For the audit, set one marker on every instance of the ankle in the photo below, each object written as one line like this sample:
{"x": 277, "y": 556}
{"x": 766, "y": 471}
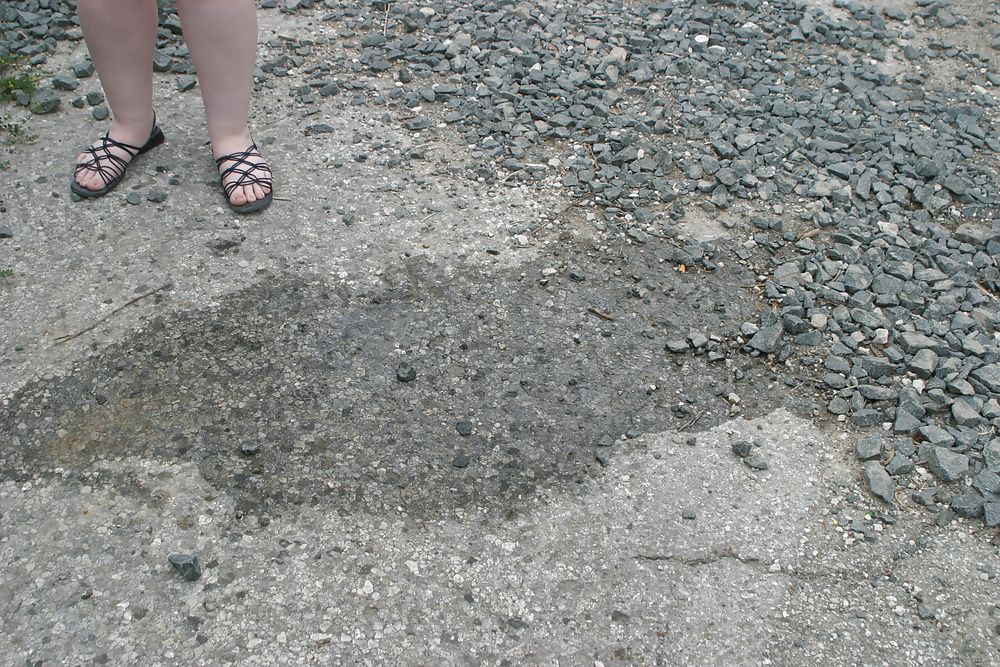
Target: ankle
{"x": 131, "y": 130}
{"x": 233, "y": 143}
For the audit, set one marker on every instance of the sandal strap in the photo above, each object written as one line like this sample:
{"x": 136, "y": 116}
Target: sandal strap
{"x": 245, "y": 169}
{"x": 106, "y": 164}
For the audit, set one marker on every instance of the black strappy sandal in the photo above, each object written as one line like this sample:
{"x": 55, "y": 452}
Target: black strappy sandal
{"x": 113, "y": 170}
{"x": 245, "y": 169}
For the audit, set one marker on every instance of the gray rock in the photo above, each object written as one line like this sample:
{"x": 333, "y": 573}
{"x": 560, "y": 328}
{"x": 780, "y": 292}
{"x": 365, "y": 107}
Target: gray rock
{"x": 838, "y": 406}
{"x": 766, "y": 340}
{"x": 991, "y": 454}
{"x": 100, "y": 113}
{"x": 186, "y": 82}
{"x": 879, "y": 481}
{"x": 947, "y": 465}
{"x": 405, "y": 372}
{"x": 187, "y": 565}
{"x": 83, "y": 70}
{"x": 911, "y": 341}
{"x": 899, "y": 465}
{"x": 937, "y": 436}
{"x": 161, "y": 62}
{"x": 742, "y": 448}
{"x": 811, "y": 338}
{"x": 45, "y": 101}
{"x": 866, "y": 417}
{"x": 987, "y": 481}
{"x": 968, "y": 505}
{"x": 869, "y": 447}
{"x": 965, "y": 411}
{"x": 64, "y": 82}
{"x": 6, "y": 232}
{"x": 876, "y": 393}
{"x": 755, "y": 461}
{"x": 989, "y": 375}
{"x": 991, "y": 513}
{"x": 923, "y": 363}
{"x": 418, "y": 123}
{"x": 133, "y": 198}
{"x": 689, "y": 515}
{"x": 974, "y": 234}
{"x": 464, "y": 428}
{"x": 677, "y": 346}
{"x": 905, "y": 422}
{"x": 250, "y": 449}
{"x": 461, "y": 460}
{"x": 157, "y": 197}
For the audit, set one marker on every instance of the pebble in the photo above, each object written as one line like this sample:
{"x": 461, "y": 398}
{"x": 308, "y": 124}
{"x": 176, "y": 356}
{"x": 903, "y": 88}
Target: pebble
{"x": 869, "y": 447}
{"x": 879, "y": 481}
{"x": 405, "y": 372}
{"x": 250, "y": 449}
{"x": 45, "y": 101}
{"x": 947, "y": 465}
{"x": 187, "y": 565}
{"x": 464, "y": 428}
{"x": 186, "y": 82}
{"x": 742, "y": 448}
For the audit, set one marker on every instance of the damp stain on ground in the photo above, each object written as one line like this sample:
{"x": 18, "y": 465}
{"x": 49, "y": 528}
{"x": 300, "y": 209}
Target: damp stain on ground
{"x": 443, "y": 389}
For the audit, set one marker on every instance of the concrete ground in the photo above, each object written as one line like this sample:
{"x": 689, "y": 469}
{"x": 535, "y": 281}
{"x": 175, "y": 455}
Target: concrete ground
{"x": 359, "y": 534}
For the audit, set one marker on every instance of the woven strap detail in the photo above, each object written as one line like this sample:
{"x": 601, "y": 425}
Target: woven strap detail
{"x": 245, "y": 168}
{"x": 113, "y": 165}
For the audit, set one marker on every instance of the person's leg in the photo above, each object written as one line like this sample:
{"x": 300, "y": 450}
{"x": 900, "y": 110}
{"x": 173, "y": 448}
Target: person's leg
{"x": 121, "y": 38}
{"x": 222, "y": 38}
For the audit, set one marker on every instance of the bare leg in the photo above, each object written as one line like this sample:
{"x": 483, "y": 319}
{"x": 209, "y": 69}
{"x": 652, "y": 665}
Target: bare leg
{"x": 222, "y": 38}
{"x": 121, "y": 38}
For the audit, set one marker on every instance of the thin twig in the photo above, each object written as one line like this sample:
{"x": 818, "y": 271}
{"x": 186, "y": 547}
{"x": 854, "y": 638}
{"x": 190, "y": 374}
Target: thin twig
{"x": 601, "y": 314}
{"x": 691, "y": 423}
{"x": 385, "y": 20}
{"x": 63, "y": 339}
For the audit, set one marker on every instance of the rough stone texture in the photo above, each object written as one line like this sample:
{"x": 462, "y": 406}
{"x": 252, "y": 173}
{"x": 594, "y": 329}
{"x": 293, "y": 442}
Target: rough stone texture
{"x": 947, "y": 465}
{"x": 879, "y": 481}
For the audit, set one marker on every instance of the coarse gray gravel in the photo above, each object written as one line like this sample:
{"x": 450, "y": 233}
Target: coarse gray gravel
{"x": 578, "y": 333}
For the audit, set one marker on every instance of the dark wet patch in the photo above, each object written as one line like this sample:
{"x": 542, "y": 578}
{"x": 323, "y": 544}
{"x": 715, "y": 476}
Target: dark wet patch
{"x": 530, "y": 369}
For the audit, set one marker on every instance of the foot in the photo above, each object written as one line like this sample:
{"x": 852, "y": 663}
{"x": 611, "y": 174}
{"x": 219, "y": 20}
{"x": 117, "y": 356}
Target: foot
{"x": 111, "y": 167}
{"x": 246, "y": 178}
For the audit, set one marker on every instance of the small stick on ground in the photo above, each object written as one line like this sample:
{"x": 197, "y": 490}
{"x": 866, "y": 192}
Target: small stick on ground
{"x": 64, "y": 339}
{"x": 691, "y": 423}
{"x": 601, "y": 314}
